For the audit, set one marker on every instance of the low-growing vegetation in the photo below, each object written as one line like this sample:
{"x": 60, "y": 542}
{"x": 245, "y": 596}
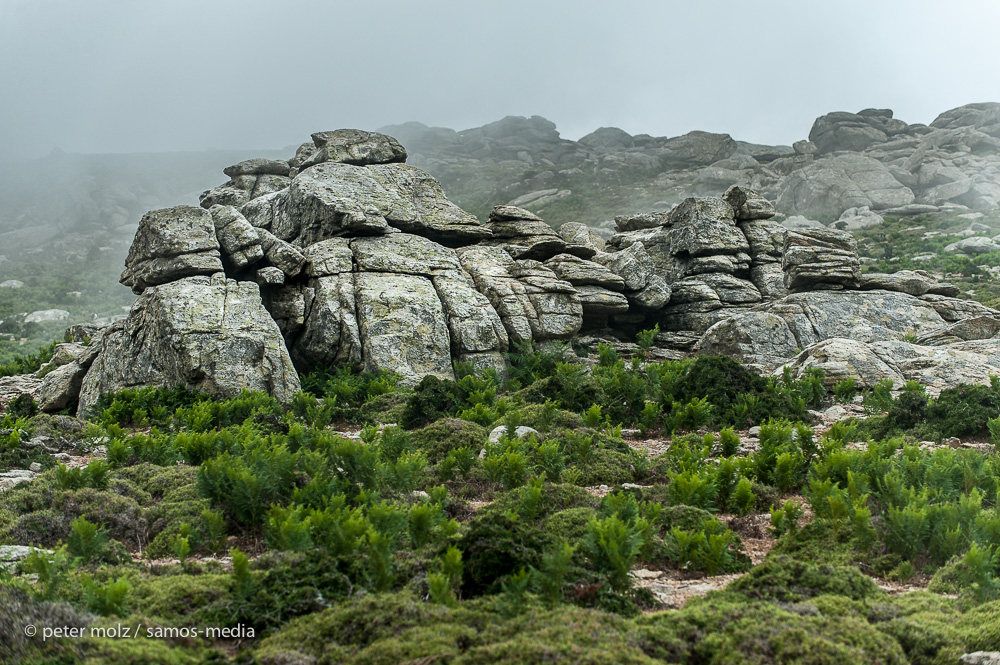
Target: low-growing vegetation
{"x": 370, "y": 523}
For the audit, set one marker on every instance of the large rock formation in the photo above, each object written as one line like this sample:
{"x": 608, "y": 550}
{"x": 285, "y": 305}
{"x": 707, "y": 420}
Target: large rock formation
{"x": 345, "y": 255}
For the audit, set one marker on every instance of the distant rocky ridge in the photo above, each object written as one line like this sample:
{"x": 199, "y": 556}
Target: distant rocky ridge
{"x": 867, "y": 159}
{"x": 346, "y": 255}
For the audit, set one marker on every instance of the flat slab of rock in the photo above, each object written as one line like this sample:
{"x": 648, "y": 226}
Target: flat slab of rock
{"x": 258, "y": 166}
{"x": 600, "y": 301}
{"x": 357, "y": 147}
{"x": 581, "y": 272}
{"x": 403, "y": 253}
{"x": 913, "y": 282}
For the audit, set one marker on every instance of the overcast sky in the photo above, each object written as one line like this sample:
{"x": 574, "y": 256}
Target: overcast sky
{"x": 141, "y": 75}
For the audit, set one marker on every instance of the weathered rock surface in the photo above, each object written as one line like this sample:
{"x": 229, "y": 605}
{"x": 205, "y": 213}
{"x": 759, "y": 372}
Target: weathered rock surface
{"x": 913, "y": 282}
{"x": 778, "y": 330}
{"x": 973, "y": 246}
{"x": 403, "y": 326}
{"x": 345, "y": 255}
{"x": 209, "y": 334}
{"x": 857, "y": 219}
{"x": 581, "y": 272}
{"x": 171, "y": 244}
{"x": 748, "y": 204}
{"x": 935, "y": 367}
{"x": 826, "y": 187}
{"x": 814, "y": 257}
{"x": 354, "y": 146}
{"x": 524, "y": 235}
{"x": 239, "y": 240}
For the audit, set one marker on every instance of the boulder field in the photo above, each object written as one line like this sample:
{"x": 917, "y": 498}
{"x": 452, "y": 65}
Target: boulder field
{"x": 346, "y": 255}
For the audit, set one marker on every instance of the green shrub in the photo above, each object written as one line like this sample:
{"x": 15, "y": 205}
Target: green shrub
{"x": 443, "y": 436}
{"x": 87, "y": 541}
{"x": 106, "y": 599}
{"x": 612, "y": 546}
{"x": 432, "y": 399}
{"x": 22, "y": 406}
{"x": 786, "y": 579}
{"x": 845, "y": 389}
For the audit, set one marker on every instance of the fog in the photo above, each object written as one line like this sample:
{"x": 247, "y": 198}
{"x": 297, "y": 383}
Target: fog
{"x": 130, "y": 76}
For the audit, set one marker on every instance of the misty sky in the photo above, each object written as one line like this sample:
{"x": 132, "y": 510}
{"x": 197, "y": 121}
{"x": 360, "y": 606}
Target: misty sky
{"x": 138, "y": 75}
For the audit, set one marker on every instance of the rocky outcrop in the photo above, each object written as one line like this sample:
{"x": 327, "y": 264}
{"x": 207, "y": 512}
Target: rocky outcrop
{"x": 209, "y": 334}
{"x": 359, "y": 259}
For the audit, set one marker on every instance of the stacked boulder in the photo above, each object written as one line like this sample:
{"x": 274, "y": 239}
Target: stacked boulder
{"x": 713, "y": 255}
{"x": 346, "y": 255}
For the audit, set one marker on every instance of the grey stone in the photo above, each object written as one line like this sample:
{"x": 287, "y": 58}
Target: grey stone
{"x": 475, "y": 326}
{"x": 600, "y": 301}
{"x": 654, "y": 296}
{"x": 766, "y": 240}
{"x": 425, "y": 209}
{"x": 257, "y": 166}
{"x": 403, "y": 326}
{"x": 239, "y": 240}
{"x": 748, "y": 204}
{"x": 330, "y": 335}
{"x": 524, "y": 235}
{"x": 814, "y": 316}
{"x": 974, "y": 245}
{"x": 403, "y": 253}
{"x": 520, "y": 432}
{"x": 580, "y": 272}
{"x": 575, "y": 233}
{"x": 329, "y": 257}
{"x": 207, "y": 334}
{"x": 269, "y": 276}
{"x": 646, "y": 220}
{"x": 45, "y": 315}
{"x": 531, "y": 301}
{"x": 796, "y": 222}
{"x": 769, "y": 279}
{"x": 913, "y": 282}
{"x": 353, "y": 146}
{"x": 857, "y": 219}
{"x": 705, "y": 226}
{"x": 330, "y": 200}
{"x": 170, "y": 244}
{"x": 820, "y": 256}
{"x": 61, "y": 387}
{"x": 827, "y": 187}
{"x": 846, "y": 131}
{"x": 761, "y": 339}
{"x": 280, "y": 254}
{"x": 633, "y": 264}
{"x": 226, "y": 194}
{"x": 975, "y": 328}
